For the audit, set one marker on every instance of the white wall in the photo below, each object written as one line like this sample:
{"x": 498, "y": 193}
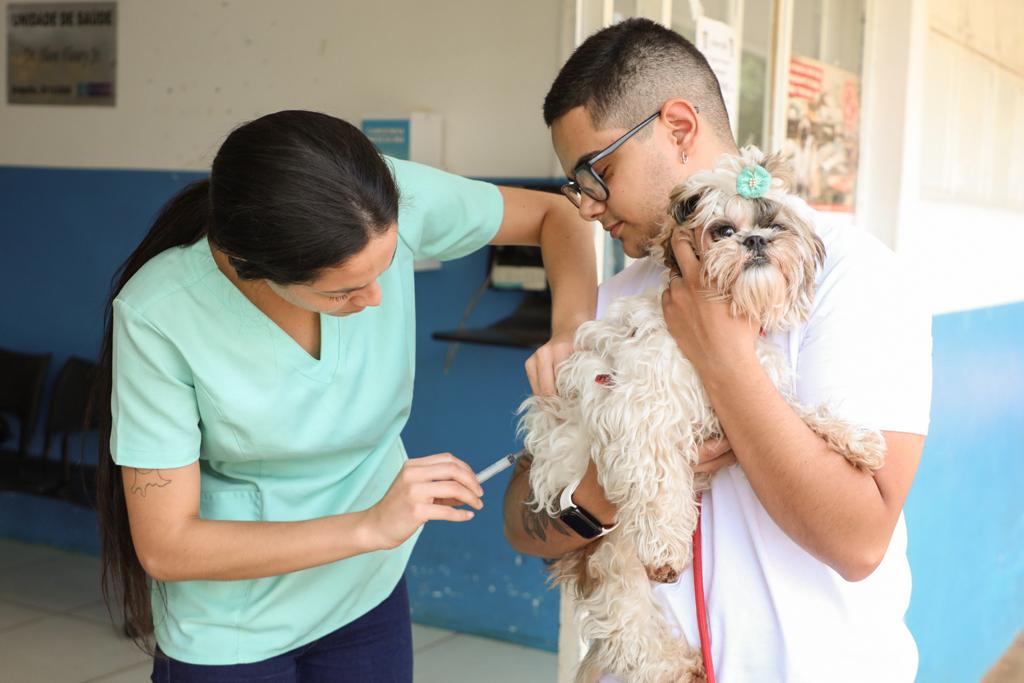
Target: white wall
{"x": 190, "y": 70}
{"x": 973, "y": 121}
{"x": 970, "y": 216}
{"x": 943, "y": 157}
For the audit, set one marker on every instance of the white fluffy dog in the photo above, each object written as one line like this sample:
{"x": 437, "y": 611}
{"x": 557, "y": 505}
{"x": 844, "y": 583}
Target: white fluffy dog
{"x": 629, "y": 401}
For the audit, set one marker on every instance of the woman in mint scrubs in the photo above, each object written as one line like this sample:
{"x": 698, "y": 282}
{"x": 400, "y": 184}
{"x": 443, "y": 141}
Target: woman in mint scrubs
{"x": 257, "y": 505}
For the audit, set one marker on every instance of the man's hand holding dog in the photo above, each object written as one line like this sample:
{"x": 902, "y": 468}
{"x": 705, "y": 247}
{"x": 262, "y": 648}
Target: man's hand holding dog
{"x": 705, "y": 330}
{"x": 714, "y": 455}
{"x": 542, "y": 366}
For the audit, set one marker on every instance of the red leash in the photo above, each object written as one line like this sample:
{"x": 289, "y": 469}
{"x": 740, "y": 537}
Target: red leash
{"x": 698, "y": 592}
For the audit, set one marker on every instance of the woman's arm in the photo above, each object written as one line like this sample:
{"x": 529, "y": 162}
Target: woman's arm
{"x": 567, "y": 246}
{"x": 174, "y": 544}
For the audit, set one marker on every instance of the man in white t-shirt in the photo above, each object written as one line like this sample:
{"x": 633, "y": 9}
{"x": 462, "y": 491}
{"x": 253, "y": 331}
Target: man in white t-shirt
{"x": 805, "y": 566}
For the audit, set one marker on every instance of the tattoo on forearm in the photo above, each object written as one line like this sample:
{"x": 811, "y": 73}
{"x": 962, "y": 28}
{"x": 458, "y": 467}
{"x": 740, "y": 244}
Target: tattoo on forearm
{"x": 143, "y": 479}
{"x": 536, "y": 524}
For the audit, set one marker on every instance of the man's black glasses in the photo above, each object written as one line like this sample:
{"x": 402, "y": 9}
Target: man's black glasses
{"x": 586, "y": 179}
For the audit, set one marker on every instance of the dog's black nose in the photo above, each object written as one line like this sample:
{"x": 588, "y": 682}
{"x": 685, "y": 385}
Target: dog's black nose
{"x": 755, "y": 243}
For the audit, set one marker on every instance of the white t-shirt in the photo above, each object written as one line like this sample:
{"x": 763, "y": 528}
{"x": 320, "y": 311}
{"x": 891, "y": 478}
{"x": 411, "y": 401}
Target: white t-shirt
{"x": 776, "y": 613}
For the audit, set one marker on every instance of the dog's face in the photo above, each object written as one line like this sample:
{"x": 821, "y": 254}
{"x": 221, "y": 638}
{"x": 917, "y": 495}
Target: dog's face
{"x": 757, "y": 253}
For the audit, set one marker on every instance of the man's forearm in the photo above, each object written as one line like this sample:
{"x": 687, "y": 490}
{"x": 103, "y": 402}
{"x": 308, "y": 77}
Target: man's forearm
{"x": 823, "y": 503}
{"x": 530, "y": 532}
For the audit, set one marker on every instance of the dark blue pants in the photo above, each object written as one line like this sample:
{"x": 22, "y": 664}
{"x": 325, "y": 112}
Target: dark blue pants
{"x": 375, "y": 648}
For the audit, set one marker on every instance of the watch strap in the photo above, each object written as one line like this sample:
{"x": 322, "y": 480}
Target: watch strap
{"x": 577, "y": 518}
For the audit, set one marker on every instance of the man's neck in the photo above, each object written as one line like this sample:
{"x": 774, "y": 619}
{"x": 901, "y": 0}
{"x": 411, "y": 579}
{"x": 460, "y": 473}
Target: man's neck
{"x": 706, "y": 153}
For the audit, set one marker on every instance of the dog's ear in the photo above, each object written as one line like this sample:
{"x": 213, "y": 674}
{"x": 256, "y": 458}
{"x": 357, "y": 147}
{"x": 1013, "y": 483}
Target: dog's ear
{"x": 778, "y": 166}
{"x": 683, "y": 202}
{"x": 815, "y": 247}
{"x": 664, "y": 245}
{"x": 661, "y": 246}
{"x": 669, "y": 258}
{"x": 819, "y": 250}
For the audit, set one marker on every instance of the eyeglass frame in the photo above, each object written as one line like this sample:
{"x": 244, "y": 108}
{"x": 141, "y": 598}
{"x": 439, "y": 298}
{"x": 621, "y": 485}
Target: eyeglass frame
{"x": 574, "y": 192}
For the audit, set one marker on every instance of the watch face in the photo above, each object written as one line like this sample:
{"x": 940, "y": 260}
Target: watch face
{"x": 579, "y": 523}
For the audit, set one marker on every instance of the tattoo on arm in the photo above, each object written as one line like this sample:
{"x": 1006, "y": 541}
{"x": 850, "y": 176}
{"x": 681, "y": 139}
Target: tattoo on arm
{"x": 143, "y": 479}
{"x": 536, "y": 524}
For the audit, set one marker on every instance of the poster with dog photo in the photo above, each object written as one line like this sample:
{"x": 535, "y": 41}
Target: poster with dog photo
{"x": 822, "y": 129}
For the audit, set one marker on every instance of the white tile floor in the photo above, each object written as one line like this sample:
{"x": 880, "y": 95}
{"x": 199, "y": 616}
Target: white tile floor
{"x": 55, "y": 629}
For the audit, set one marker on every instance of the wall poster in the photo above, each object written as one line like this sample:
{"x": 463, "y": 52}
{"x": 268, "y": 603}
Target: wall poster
{"x": 822, "y": 132}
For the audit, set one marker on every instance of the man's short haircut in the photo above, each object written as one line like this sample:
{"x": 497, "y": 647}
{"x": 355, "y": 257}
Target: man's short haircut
{"x": 625, "y": 72}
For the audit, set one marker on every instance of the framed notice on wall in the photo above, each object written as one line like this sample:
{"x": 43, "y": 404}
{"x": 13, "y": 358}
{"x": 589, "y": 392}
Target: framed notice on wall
{"x": 62, "y": 53}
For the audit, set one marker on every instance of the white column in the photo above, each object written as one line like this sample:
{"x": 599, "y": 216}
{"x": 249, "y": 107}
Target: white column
{"x": 778, "y": 92}
{"x": 895, "y": 35}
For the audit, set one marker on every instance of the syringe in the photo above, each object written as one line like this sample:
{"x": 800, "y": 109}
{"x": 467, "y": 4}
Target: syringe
{"x": 499, "y": 466}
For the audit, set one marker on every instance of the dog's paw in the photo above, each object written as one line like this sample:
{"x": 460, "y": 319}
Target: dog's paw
{"x": 862, "y": 447}
{"x": 866, "y": 450}
{"x": 663, "y": 574}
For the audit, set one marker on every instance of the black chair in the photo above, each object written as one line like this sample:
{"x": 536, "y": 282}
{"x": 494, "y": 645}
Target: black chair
{"x": 22, "y": 378}
{"x": 69, "y": 414}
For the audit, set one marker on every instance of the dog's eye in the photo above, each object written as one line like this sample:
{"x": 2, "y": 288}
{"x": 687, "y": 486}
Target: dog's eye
{"x": 723, "y": 231}
{"x": 775, "y": 226}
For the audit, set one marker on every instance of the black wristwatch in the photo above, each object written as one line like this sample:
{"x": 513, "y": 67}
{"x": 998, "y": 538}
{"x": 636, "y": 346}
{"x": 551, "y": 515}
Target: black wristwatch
{"x": 578, "y": 519}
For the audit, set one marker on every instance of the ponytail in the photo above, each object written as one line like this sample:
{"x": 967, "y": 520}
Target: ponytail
{"x": 181, "y": 222}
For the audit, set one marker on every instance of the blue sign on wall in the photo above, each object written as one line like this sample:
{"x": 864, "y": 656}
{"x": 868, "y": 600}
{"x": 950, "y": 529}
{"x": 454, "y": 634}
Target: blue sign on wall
{"x": 390, "y": 136}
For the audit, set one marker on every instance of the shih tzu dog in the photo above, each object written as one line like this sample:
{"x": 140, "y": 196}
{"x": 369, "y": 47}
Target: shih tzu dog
{"x": 628, "y": 400}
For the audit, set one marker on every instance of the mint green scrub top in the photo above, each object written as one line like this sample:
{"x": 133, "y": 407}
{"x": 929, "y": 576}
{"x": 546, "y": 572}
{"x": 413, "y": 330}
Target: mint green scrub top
{"x": 201, "y": 373}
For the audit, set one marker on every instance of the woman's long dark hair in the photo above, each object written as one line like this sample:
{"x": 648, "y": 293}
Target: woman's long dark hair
{"x": 289, "y": 194}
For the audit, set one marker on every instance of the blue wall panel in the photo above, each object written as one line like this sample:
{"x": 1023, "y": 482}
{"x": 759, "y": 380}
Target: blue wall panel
{"x": 63, "y": 232}
{"x": 465, "y": 576}
{"x": 965, "y": 513}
